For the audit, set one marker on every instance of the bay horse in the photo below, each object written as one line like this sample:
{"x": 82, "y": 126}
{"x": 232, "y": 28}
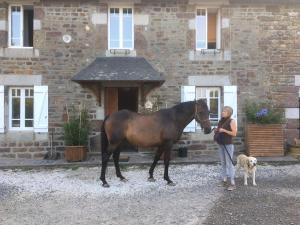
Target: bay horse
{"x": 160, "y": 129}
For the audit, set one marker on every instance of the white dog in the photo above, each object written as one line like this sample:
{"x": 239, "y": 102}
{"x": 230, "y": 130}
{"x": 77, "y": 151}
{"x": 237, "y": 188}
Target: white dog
{"x": 249, "y": 166}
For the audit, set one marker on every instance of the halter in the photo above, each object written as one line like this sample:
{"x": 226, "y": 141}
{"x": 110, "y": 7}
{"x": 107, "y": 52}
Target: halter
{"x": 196, "y": 114}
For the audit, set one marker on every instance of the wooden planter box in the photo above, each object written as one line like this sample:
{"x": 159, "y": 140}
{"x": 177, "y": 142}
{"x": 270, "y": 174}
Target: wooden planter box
{"x": 264, "y": 139}
{"x": 75, "y": 153}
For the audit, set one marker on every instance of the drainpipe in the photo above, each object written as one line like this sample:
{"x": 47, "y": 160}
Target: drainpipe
{"x": 299, "y": 115}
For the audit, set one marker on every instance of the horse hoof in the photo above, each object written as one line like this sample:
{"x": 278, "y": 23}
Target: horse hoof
{"x": 151, "y": 179}
{"x": 171, "y": 184}
{"x": 124, "y": 180}
{"x": 105, "y": 185}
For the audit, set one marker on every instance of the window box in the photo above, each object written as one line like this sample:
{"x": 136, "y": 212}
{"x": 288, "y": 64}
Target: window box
{"x": 264, "y": 139}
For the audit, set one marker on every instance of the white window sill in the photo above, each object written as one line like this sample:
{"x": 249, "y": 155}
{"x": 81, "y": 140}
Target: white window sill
{"x": 120, "y": 52}
{"x": 20, "y": 47}
{"x": 210, "y": 54}
{"x": 209, "y": 51}
{"x": 19, "y": 52}
{"x": 20, "y": 130}
{"x": 23, "y": 136}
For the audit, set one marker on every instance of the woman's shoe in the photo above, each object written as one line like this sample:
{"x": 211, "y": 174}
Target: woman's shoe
{"x": 231, "y": 187}
{"x": 223, "y": 184}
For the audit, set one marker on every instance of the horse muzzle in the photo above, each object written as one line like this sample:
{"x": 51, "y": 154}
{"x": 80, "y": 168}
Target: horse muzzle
{"x": 207, "y": 130}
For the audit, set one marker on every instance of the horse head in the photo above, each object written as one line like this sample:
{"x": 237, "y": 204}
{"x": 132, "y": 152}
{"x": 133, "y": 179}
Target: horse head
{"x": 202, "y": 115}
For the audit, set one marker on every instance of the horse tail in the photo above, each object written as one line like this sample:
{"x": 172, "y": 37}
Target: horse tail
{"x": 104, "y": 140}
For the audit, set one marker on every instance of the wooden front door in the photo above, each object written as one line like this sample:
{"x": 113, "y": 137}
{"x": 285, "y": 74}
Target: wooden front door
{"x": 111, "y": 100}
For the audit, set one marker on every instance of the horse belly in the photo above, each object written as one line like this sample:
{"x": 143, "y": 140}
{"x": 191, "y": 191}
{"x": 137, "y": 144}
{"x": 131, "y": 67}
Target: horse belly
{"x": 144, "y": 139}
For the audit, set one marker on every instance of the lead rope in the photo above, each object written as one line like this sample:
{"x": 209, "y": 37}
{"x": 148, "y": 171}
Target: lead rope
{"x": 233, "y": 163}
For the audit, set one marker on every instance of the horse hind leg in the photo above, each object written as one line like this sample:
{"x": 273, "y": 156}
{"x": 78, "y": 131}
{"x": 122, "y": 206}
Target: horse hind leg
{"x": 105, "y": 158}
{"x": 116, "y": 157}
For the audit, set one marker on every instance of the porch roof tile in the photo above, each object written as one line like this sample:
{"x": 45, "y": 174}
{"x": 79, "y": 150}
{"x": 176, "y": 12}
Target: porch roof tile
{"x": 119, "y": 69}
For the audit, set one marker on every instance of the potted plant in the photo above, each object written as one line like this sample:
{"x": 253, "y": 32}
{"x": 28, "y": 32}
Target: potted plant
{"x": 76, "y": 130}
{"x": 264, "y": 129}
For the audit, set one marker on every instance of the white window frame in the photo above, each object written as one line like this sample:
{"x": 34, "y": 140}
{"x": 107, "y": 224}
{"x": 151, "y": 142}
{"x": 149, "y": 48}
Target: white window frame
{"x": 22, "y": 110}
{"x": 218, "y": 28}
{"x": 21, "y": 27}
{"x": 121, "y": 27}
{"x": 207, "y": 97}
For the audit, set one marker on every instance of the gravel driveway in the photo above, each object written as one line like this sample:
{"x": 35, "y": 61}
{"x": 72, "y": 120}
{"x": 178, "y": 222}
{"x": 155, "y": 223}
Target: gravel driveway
{"x": 75, "y": 197}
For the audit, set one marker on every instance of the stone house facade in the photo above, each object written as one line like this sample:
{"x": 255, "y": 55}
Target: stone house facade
{"x": 224, "y": 51}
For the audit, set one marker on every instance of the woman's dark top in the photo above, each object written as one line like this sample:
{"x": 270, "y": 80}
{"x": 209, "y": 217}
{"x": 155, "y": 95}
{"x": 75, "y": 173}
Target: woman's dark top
{"x": 225, "y": 124}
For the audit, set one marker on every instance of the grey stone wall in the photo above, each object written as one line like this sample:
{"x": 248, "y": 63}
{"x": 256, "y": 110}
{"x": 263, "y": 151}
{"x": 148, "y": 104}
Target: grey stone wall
{"x": 265, "y": 45}
{"x": 260, "y": 54}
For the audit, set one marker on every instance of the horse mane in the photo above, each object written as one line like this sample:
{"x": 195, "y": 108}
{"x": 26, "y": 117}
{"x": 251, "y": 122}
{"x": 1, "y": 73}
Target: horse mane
{"x": 183, "y": 107}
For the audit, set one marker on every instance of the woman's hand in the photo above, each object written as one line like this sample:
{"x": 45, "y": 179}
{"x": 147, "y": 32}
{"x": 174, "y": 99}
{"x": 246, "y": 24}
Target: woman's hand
{"x": 221, "y": 130}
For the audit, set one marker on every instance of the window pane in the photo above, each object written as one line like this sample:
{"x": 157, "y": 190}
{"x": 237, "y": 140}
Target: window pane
{"x": 29, "y": 108}
{"x": 114, "y": 30}
{"x": 200, "y": 93}
{"x": 28, "y": 92}
{"x": 16, "y": 123}
{"x": 212, "y": 30}
{"x": 214, "y": 108}
{"x": 127, "y": 28}
{"x": 201, "y": 28}
{"x": 28, "y": 123}
{"x": 28, "y": 26}
{"x": 216, "y": 94}
{"x": 15, "y": 25}
{"x": 15, "y": 108}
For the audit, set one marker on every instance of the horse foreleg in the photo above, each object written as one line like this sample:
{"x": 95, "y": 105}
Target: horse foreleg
{"x": 156, "y": 159}
{"x": 116, "y": 157}
{"x": 166, "y": 162}
{"x": 105, "y": 158}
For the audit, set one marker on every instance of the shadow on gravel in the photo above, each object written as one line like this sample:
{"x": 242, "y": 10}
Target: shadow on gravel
{"x": 271, "y": 202}
{"x": 6, "y": 191}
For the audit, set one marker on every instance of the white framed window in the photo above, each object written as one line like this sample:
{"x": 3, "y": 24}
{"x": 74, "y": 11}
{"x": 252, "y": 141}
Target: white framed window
{"x": 120, "y": 28}
{"x": 21, "y": 108}
{"x": 212, "y": 96}
{"x": 208, "y": 28}
{"x": 20, "y": 21}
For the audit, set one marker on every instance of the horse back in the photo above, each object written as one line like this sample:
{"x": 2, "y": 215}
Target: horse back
{"x": 141, "y": 130}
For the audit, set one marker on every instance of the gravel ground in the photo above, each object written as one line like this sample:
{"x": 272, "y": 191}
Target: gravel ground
{"x": 75, "y": 197}
{"x": 275, "y": 201}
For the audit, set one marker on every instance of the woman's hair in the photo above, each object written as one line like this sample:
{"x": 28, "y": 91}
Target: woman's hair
{"x": 229, "y": 110}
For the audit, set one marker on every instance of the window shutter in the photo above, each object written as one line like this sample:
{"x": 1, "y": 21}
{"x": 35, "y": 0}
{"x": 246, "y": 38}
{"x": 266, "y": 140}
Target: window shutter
{"x": 40, "y": 108}
{"x": 230, "y": 99}
{"x": 1, "y": 109}
{"x": 188, "y": 93}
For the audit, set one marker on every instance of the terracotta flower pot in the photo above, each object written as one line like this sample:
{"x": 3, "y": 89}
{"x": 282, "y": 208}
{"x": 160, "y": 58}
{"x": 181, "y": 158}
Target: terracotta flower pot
{"x": 264, "y": 139}
{"x": 75, "y": 153}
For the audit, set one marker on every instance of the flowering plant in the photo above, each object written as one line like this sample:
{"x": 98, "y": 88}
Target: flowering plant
{"x": 263, "y": 113}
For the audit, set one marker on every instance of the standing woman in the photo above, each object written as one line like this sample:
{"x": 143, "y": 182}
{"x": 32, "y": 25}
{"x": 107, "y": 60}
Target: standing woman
{"x": 227, "y": 129}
